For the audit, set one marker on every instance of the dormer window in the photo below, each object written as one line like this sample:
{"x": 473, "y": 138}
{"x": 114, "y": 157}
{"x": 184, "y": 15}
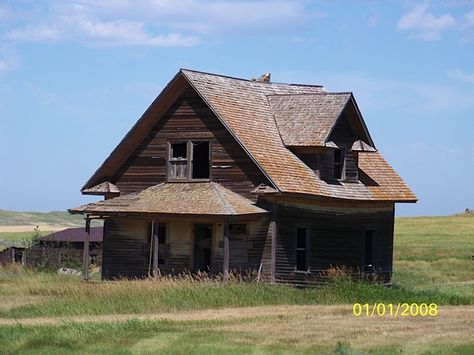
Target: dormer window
{"x": 189, "y": 160}
{"x": 339, "y": 164}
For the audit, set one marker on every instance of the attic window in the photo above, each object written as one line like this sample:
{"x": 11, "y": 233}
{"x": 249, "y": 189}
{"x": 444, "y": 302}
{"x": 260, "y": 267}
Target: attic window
{"x": 200, "y": 160}
{"x": 339, "y": 164}
{"x": 189, "y": 160}
{"x": 178, "y": 163}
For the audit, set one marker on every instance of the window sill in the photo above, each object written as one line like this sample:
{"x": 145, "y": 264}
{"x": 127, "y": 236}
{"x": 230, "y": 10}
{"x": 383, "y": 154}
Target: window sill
{"x": 187, "y": 180}
{"x": 302, "y": 272}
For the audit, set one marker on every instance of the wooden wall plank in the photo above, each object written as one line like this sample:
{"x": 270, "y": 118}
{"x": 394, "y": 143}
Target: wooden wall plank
{"x": 189, "y": 118}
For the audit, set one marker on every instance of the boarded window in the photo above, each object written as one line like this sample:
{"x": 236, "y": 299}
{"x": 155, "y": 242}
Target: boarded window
{"x": 339, "y": 164}
{"x": 302, "y": 257}
{"x": 369, "y": 251}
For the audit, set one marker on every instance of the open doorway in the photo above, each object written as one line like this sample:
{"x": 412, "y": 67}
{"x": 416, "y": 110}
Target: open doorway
{"x": 202, "y": 247}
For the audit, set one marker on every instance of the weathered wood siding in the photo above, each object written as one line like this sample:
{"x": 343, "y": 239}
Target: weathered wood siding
{"x": 125, "y": 252}
{"x": 336, "y": 238}
{"x": 127, "y": 247}
{"x": 179, "y": 246}
{"x": 189, "y": 118}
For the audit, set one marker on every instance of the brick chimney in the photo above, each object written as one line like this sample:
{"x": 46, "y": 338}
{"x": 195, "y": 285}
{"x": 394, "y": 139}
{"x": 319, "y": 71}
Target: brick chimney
{"x": 265, "y": 78}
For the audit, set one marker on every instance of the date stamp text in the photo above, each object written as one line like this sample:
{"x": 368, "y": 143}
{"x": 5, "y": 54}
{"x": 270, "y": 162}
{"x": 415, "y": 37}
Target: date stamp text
{"x": 395, "y": 310}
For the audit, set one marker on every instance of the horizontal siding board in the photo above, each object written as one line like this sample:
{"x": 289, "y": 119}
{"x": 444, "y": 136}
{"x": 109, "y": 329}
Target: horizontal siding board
{"x": 189, "y": 118}
{"x": 335, "y": 239}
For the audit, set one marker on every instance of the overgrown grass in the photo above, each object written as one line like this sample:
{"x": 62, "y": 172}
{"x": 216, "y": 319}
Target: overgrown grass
{"x": 60, "y": 295}
{"x": 432, "y": 265}
{"x": 441, "y": 277}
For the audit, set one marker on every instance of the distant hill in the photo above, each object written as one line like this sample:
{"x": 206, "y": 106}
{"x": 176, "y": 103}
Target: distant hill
{"x": 56, "y": 218}
{"x": 16, "y": 228}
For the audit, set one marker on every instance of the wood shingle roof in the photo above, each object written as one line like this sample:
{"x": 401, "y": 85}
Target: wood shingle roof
{"x": 259, "y": 115}
{"x": 245, "y": 108}
{"x": 307, "y": 119}
{"x": 202, "y": 198}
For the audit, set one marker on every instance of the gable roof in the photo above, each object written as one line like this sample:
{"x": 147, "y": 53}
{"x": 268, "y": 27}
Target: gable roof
{"x": 74, "y": 235}
{"x": 307, "y": 119}
{"x": 180, "y": 198}
{"x": 103, "y": 188}
{"x": 247, "y": 109}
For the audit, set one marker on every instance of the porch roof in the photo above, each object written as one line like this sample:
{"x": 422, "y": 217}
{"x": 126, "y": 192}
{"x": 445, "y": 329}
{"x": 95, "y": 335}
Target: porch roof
{"x": 179, "y": 198}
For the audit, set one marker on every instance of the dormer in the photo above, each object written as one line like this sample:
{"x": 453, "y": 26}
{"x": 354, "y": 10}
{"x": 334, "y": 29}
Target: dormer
{"x": 326, "y": 131}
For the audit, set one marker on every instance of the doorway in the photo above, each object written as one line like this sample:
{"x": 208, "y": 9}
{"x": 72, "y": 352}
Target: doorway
{"x": 202, "y": 247}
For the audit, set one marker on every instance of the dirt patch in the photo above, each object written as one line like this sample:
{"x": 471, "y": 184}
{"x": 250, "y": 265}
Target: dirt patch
{"x": 318, "y": 325}
{"x": 309, "y": 326}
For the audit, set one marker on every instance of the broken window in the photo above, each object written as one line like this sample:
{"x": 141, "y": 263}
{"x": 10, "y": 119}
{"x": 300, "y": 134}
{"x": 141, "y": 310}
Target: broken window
{"x": 179, "y": 161}
{"x": 200, "y": 160}
{"x": 339, "y": 164}
{"x": 189, "y": 160}
{"x": 302, "y": 259}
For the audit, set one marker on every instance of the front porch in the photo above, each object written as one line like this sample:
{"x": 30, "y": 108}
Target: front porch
{"x": 178, "y": 227}
{"x": 135, "y": 247}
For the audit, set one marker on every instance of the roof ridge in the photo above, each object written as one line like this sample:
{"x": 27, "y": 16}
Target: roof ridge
{"x": 250, "y": 80}
{"x": 313, "y": 93}
{"x": 227, "y": 206}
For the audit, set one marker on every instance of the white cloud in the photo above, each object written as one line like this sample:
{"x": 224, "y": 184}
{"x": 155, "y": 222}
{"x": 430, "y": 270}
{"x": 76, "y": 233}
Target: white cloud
{"x": 35, "y": 33}
{"x": 160, "y": 22}
{"x": 424, "y": 25}
{"x": 383, "y": 94}
{"x": 458, "y": 74}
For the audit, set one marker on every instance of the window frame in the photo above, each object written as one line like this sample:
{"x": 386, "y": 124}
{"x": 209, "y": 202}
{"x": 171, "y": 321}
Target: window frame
{"x": 189, "y": 160}
{"x": 306, "y": 249}
{"x": 365, "y": 267}
{"x": 341, "y": 164}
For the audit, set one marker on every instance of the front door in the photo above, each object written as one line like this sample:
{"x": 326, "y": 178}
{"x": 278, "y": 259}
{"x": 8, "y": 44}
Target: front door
{"x": 202, "y": 247}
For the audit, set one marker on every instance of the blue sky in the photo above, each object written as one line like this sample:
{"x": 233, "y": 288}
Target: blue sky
{"x": 76, "y": 75}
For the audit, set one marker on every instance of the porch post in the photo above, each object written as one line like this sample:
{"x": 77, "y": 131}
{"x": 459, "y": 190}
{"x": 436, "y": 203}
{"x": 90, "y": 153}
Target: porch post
{"x": 85, "y": 253}
{"x": 155, "y": 247}
{"x": 226, "y": 252}
{"x": 274, "y": 241}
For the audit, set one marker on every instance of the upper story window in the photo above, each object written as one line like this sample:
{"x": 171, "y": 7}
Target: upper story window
{"x": 189, "y": 160}
{"x": 339, "y": 164}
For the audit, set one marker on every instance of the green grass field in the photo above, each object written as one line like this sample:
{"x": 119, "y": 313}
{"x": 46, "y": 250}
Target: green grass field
{"x": 433, "y": 263}
{"x": 435, "y": 253}
{"x": 62, "y": 218}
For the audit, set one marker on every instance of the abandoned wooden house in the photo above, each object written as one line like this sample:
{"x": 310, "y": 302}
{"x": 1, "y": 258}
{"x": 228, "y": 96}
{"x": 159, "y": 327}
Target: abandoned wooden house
{"x": 223, "y": 173}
